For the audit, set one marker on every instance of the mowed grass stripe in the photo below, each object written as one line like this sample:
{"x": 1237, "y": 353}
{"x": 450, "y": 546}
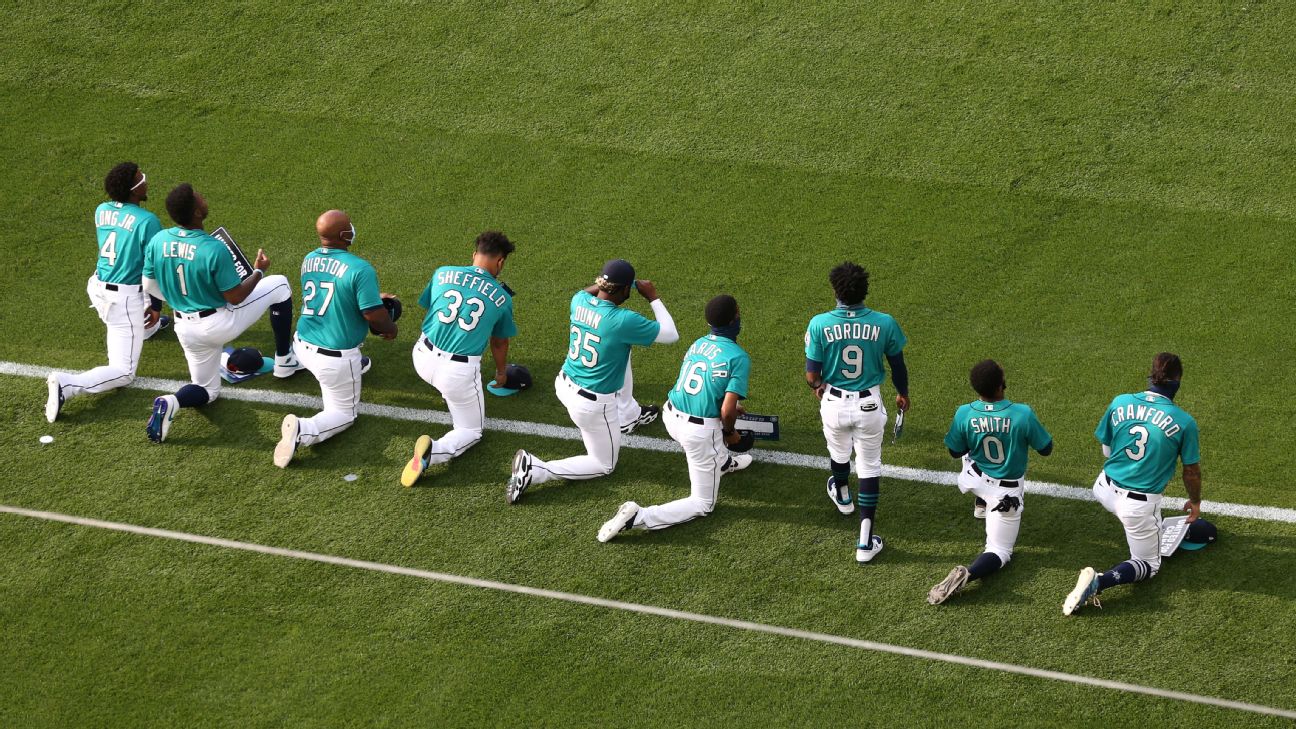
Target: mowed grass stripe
{"x": 545, "y": 430}
{"x": 651, "y": 610}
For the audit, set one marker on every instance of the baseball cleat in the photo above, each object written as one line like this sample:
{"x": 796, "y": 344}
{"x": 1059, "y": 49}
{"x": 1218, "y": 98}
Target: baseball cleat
{"x": 737, "y": 462}
{"x": 1085, "y": 592}
{"x": 979, "y": 509}
{"x": 414, "y": 469}
{"x": 622, "y": 521}
{"x": 946, "y": 588}
{"x": 365, "y": 364}
{"x": 286, "y": 365}
{"x": 864, "y": 554}
{"x": 848, "y": 505}
{"x": 287, "y": 445}
{"x": 54, "y": 405}
{"x": 164, "y": 323}
{"x": 520, "y": 477}
{"x": 647, "y": 414}
{"x": 164, "y": 412}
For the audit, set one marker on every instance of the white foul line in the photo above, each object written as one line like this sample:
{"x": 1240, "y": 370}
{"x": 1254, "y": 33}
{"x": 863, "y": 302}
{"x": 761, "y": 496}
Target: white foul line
{"x": 662, "y": 612}
{"x": 523, "y": 427}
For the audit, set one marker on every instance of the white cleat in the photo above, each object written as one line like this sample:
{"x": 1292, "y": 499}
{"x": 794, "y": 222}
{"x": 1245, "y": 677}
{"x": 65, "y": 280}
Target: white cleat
{"x": 519, "y": 478}
{"x": 946, "y": 588}
{"x": 287, "y": 365}
{"x": 834, "y": 494}
{"x": 737, "y": 462}
{"x": 1084, "y": 593}
{"x": 287, "y": 446}
{"x": 865, "y": 554}
{"x": 54, "y": 405}
{"x": 622, "y": 521}
{"x": 164, "y": 412}
{"x": 979, "y": 509}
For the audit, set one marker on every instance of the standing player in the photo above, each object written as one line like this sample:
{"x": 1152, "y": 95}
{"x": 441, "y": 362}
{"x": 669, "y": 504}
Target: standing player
{"x": 601, "y": 334}
{"x": 467, "y": 310}
{"x": 340, "y": 302}
{"x": 124, "y": 229}
{"x": 1142, "y": 436}
{"x": 700, "y": 414}
{"x": 195, "y": 273}
{"x": 992, "y": 435}
{"x": 845, "y": 349}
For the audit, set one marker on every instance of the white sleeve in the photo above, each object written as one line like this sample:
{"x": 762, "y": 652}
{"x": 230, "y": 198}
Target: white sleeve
{"x": 667, "y": 334}
{"x": 151, "y": 288}
{"x": 1106, "y": 451}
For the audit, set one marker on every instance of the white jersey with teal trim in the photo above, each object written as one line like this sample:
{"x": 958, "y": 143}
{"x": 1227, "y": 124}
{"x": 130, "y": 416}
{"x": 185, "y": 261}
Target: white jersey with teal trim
{"x": 599, "y": 341}
{"x": 852, "y": 343}
{"x": 713, "y": 367}
{"x": 124, "y": 231}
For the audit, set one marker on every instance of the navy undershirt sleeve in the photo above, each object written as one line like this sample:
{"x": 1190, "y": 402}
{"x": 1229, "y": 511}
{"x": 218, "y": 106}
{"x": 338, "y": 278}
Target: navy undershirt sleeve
{"x": 899, "y": 373}
{"x": 1046, "y": 449}
{"x": 813, "y": 366}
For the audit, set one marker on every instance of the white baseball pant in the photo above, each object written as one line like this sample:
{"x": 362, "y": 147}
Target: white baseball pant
{"x": 627, "y": 407}
{"x": 705, "y": 451}
{"x": 596, "y": 415}
{"x": 458, "y": 378}
{"x": 854, "y": 422}
{"x": 339, "y": 380}
{"x": 204, "y": 338}
{"x": 1001, "y": 526}
{"x": 122, "y": 312}
{"x": 1141, "y": 518}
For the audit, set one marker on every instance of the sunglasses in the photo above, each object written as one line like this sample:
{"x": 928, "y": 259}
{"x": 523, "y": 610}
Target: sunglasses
{"x": 143, "y": 179}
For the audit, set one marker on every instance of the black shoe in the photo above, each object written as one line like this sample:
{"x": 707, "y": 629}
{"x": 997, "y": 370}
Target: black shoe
{"x": 647, "y": 414}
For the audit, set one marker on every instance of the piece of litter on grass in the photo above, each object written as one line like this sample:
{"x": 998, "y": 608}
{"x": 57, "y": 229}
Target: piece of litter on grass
{"x": 47, "y": 439}
{"x": 348, "y": 477}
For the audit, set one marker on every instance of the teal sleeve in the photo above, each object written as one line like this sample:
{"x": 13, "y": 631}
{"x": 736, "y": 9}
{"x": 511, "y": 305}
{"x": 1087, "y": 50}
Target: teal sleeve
{"x": 956, "y": 439}
{"x": 366, "y": 289}
{"x": 639, "y": 329}
{"x": 151, "y": 228}
{"x": 148, "y": 260}
{"x": 223, "y": 271}
{"x": 505, "y": 327}
{"x": 1104, "y": 431}
{"x": 425, "y": 298}
{"x": 896, "y": 341}
{"x": 739, "y": 374}
{"x": 1190, "y": 451}
{"x": 814, "y": 348}
{"x": 1039, "y": 437}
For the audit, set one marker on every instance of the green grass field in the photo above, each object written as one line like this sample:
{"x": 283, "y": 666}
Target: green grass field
{"x": 1066, "y": 188}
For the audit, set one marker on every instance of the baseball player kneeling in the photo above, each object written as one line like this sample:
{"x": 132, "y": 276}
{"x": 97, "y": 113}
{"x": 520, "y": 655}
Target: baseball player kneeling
{"x": 341, "y": 303}
{"x": 124, "y": 230}
{"x": 468, "y": 308}
{"x": 1142, "y": 436}
{"x": 601, "y": 335}
{"x": 195, "y": 273}
{"x": 992, "y": 435}
{"x": 700, "y": 413}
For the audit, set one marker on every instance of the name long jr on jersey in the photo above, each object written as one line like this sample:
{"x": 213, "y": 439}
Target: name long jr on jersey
{"x": 116, "y": 218}
{"x": 473, "y": 282}
{"x": 1146, "y": 414}
{"x": 990, "y": 424}
{"x": 321, "y": 264}
{"x": 856, "y": 331}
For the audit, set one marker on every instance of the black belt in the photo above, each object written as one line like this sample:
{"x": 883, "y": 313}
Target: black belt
{"x": 1137, "y": 496}
{"x": 453, "y": 357}
{"x": 691, "y": 418}
{"x": 580, "y": 390}
{"x": 111, "y": 287}
{"x": 327, "y": 352}
{"x": 1006, "y": 484}
{"x": 201, "y": 314}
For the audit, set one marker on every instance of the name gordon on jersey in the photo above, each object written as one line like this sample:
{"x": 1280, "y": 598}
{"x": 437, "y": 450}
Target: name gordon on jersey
{"x": 852, "y": 330}
{"x": 116, "y": 218}
{"x": 473, "y": 282}
{"x": 1146, "y": 414}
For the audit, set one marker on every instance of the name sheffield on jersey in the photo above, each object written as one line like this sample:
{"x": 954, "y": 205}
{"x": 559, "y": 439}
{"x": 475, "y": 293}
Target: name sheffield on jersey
{"x": 473, "y": 282}
{"x": 1146, "y": 414}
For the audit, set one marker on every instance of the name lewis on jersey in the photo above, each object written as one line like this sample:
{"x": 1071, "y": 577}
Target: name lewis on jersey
{"x": 852, "y": 330}
{"x": 473, "y": 282}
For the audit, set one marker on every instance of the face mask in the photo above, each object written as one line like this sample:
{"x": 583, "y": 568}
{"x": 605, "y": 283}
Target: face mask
{"x": 731, "y": 331}
{"x": 348, "y": 235}
{"x": 1169, "y": 388}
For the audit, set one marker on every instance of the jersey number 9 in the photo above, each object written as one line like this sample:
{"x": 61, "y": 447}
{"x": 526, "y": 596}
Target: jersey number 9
{"x": 853, "y": 357}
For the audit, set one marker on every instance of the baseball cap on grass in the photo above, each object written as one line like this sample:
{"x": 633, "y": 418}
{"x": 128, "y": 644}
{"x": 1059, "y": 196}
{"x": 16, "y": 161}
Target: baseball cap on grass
{"x": 1200, "y": 533}
{"x": 516, "y": 379}
{"x": 247, "y": 361}
{"x": 618, "y": 272}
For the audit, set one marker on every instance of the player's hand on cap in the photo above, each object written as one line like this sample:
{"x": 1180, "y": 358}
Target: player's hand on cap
{"x": 902, "y": 402}
{"x": 647, "y": 289}
{"x": 1193, "y": 509}
{"x": 732, "y": 437}
{"x": 262, "y": 261}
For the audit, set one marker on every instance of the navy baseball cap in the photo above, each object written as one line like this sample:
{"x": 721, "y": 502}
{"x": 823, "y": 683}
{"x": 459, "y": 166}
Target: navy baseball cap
{"x": 516, "y": 379}
{"x": 1200, "y": 533}
{"x": 245, "y": 361}
{"x": 618, "y": 272}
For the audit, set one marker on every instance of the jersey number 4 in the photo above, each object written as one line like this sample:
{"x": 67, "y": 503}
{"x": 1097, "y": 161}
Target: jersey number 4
{"x": 109, "y": 248}
{"x": 456, "y": 303}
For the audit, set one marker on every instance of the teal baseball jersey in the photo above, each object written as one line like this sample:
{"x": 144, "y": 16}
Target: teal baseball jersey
{"x": 1147, "y": 433}
{"x": 192, "y": 269}
{"x": 600, "y": 337}
{"x": 713, "y": 367}
{"x": 124, "y": 231}
{"x": 852, "y": 343}
{"x": 466, "y": 306}
{"x": 337, "y": 288}
{"x": 997, "y": 436}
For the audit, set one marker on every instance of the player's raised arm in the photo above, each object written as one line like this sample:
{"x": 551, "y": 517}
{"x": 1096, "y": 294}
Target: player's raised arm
{"x": 668, "y": 334}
